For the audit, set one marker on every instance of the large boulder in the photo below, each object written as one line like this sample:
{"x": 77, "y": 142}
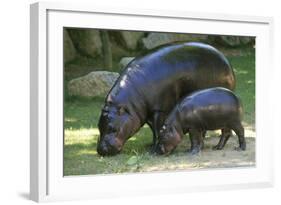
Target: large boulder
{"x": 86, "y": 41}
{"x": 96, "y": 83}
{"x": 131, "y": 39}
{"x": 246, "y": 40}
{"x": 156, "y": 39}
{"x": 124, "y": 62}
{"x": 69, "y": 52}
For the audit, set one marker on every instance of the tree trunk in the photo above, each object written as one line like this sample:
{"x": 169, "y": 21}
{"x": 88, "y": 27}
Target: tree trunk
{"x": 106, "y": 50}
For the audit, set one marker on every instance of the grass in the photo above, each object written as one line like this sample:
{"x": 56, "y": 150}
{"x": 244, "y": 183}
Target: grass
{"x": 81, "y": 133}
{"x": 244, "y": 68}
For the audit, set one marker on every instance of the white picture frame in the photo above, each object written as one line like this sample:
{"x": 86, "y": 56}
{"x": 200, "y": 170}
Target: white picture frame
{"x": 46, "y": 136}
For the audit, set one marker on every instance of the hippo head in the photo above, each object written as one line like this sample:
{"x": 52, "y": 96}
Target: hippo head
{"x": 169, "y": 138}
{"x": 115, "y": 126}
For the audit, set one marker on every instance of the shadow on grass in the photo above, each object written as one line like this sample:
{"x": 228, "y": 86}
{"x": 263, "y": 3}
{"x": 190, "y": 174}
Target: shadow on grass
{"x": 139, "y": 143}
{"x": 82, "y": 113}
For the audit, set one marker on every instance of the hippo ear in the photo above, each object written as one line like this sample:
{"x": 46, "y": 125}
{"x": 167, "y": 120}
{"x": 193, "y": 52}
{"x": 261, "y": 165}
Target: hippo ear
{"x": 121, "y": 110}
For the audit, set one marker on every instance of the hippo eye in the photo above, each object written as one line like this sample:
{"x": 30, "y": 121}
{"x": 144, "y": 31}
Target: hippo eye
{"x": 122, "y": 110}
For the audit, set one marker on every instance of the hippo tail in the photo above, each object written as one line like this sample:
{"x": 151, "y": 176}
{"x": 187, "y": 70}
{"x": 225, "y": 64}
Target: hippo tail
{"x": 240, "y": 109}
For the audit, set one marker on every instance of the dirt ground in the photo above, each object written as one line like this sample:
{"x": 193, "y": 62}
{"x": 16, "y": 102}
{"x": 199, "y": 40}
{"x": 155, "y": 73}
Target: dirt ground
{"x": 208, "y": 158}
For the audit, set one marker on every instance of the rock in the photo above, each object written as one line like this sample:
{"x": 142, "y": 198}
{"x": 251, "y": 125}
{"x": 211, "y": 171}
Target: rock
{"x": 234, "y": 41}
{"x": 156, "y": 39}
{"x": 131, "y": 39}
{"x": 69, "y": 52}
{"x": 230, "y": 40}
{"x": 96, "y": 83}
{"x": 124, "y": 62}
{"x": 246, "y": 40}
{"x": 86, "y": 41}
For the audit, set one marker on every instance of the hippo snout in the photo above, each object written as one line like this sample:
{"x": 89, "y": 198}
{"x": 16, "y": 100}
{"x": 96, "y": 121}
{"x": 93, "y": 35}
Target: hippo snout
{"x": 102, "y": 149}
{"x": 108, "y": 147}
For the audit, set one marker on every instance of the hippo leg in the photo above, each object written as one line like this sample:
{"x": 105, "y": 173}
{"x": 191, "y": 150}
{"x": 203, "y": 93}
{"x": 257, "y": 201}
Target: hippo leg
{"x": 204, "y": 134}
{"x": 158, "y": 120}
{"x": 225, "y": 134}
{"x": 196, "y": 141}
{"x": 239, "y": 130}
{"x": 201, "y": 137}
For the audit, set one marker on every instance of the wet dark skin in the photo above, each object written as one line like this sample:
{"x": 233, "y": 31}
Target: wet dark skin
{"x": 208, "y": 109}
{"x": 152, "y": 84}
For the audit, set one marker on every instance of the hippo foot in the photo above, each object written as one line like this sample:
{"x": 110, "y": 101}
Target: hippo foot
{"x": 157, "y": 150}
{"x": 240, "y": 148}
{"x": 194, "y": 151}
{"x": 153, "y": 149}
{"x": 217, "y": 147}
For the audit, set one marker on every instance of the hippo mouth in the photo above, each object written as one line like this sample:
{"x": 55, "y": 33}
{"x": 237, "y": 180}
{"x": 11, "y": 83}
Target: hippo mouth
{"x": 108, "y": 147}
{"x": 161, "y": 150}
{"x": 105, "y": 150}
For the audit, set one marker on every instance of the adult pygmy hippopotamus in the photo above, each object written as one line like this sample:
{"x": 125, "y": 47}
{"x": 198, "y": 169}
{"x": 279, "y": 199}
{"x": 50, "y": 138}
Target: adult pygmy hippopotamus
{"x": 208, "y": 109}
{"x": 151, "y": 85}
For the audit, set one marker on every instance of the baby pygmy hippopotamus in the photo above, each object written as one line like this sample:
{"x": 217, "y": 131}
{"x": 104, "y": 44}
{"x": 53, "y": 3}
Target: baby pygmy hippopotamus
{"x": 208, "y": 109}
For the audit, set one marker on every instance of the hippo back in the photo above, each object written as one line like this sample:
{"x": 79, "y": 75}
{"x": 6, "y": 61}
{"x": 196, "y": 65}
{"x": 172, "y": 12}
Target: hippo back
{"x": 158, "y": 79}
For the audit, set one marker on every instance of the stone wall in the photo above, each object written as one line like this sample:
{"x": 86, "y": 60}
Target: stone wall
{"x": 87, "y": 42}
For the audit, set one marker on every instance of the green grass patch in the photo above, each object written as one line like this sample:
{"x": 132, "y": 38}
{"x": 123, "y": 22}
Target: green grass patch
{"x": 244, "y": 68}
